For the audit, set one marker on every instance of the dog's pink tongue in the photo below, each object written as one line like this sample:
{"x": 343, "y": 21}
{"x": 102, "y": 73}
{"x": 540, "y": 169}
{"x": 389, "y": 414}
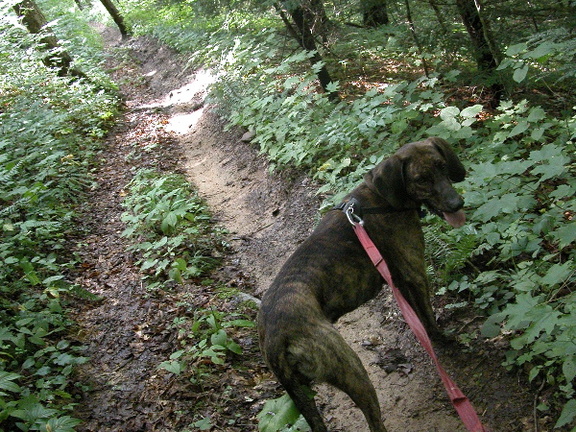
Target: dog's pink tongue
{"x": 457, "y": 219}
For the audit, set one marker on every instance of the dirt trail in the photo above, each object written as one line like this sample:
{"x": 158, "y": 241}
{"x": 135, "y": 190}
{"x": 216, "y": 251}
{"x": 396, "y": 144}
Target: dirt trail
{"x": 267, "y": 216}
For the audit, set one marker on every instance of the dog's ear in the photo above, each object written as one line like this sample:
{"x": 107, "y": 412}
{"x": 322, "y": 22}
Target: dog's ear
{"x": 387, "y": 179}
{"x": 456, "y": 170}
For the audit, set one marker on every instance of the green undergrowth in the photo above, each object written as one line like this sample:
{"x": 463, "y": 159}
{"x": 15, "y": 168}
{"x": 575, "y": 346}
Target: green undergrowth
{"x": 281, "y": 415}
{"x": 207, "y": 340}
{"x": 170, "y": 229}
{"x": 50, "y": 128}
{"x": 172, "y": 234}
{"x": 214, "y": 344}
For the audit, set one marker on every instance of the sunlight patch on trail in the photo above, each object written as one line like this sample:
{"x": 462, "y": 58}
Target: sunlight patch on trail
{"x": 182, "y": 123}
{"x": 185, "y": 94}
{"x": 186, "y": 102}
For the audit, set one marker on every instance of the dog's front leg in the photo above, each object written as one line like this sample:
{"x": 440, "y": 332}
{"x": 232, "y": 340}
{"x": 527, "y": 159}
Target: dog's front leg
{"x": 408, "y": 268}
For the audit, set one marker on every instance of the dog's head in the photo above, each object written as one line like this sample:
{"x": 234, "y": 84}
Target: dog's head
{"x": 422, "y": 173}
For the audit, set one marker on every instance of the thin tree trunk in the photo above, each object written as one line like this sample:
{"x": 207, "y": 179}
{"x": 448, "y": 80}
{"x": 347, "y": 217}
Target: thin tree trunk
{"x": 439, "y": 16}
{"x": 484, "y": 57}
{"x": 485, "y": 51}
{"x": 34, "y": 20}
{"x": 415, "y": 36}
{"x": 488, "y": 32}
{"x": 117, "y": 17}
{"x": 320, "y": 24}
{"x": 304, "y": 20}
{"x": 531, "y": 7}
{"x": 287, "y": 23}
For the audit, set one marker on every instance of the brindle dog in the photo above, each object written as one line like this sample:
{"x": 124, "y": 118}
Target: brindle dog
{"x": 330, "y": 274}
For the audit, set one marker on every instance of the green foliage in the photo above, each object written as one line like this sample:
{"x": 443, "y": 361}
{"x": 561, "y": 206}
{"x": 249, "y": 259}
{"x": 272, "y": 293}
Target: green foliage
{"x": 206, "y": 338}
{"x": 294, "y": 125}
{"x": 549, "y": 54}
{"x": 281, "y": 415}
{"x": 522, "y": 193}
{"x": 48, "y": 131}
{"x": 171, "y": 227}
{"x": 196, "y": 26}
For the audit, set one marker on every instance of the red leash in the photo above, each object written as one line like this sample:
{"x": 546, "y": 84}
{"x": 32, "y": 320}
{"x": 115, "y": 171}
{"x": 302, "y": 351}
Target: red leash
{"x": 458, "y": 399}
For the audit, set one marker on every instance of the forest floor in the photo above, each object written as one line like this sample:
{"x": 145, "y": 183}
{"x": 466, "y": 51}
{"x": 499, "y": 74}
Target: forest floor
{"x": 129, "y": 331}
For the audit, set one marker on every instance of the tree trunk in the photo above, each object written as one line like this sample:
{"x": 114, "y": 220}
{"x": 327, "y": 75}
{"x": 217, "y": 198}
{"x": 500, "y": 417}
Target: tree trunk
{"x": 415, "y": 36}
{"x": 320, "y": 24}
{"x": 471, "y": 19}
{"x": 485, "y": 51}
{"x": 374, "y": 13}
{"x": 304, "y": 18}
{"x": 439, "y": 16}
{"x": 118, "y": 19}
{"x": 34, "y": 20}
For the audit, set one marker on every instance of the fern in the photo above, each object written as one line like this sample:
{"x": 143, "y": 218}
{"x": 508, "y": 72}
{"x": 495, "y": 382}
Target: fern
{"x": 447, "y": 256}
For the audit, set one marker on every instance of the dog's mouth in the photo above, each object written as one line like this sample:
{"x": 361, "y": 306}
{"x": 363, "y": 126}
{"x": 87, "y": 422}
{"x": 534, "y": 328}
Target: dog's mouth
{"x": 449, "y": 208}
{"x": 456, "y": 219}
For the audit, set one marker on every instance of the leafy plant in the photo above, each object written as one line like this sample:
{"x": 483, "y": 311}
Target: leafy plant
{"x": 549, "y": 53}
{"x": 171, "y": 226}
{"x": 282, "y": 415}
{"x": 296, "y": 126}
{"x": 207, "y": 338}
{"x": 522, "y": 193}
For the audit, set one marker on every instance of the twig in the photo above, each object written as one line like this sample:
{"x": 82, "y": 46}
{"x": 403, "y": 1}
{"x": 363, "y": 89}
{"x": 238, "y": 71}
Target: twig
{"x": 470, "y": 321}
{"x": 535, "y": 408}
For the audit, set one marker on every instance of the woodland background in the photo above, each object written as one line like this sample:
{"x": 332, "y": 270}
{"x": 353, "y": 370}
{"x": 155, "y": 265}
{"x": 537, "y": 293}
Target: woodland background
{"x": 326, "y": 87}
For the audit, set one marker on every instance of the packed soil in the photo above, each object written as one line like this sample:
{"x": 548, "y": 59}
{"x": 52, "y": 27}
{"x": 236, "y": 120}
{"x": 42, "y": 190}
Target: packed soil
{"x": 129, "y": 329}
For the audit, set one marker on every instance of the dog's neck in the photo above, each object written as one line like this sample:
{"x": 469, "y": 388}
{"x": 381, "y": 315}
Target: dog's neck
{"x": 369, "y": 200}
{"x": 377, "y": 199}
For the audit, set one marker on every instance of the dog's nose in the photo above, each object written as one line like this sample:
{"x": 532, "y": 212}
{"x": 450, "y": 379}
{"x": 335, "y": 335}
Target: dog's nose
{"x": 455, "y": 203}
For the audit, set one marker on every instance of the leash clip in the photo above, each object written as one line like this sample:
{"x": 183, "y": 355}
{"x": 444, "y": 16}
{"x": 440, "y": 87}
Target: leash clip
{"x": 351, "y": 214}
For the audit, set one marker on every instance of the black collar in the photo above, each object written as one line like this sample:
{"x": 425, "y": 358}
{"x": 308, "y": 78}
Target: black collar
{"x": 360, "y": 211}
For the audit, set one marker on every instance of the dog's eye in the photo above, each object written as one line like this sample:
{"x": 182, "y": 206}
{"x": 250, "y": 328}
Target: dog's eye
{"x": 421, "y": 179}
{"x": 442, "y": 167}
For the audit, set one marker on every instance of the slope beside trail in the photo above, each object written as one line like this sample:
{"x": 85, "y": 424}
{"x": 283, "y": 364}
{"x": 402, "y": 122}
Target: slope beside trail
{"x": 168, "y": 126}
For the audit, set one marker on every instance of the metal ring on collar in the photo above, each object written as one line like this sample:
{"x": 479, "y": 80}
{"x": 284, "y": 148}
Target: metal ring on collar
{"x": 352, "y": 216}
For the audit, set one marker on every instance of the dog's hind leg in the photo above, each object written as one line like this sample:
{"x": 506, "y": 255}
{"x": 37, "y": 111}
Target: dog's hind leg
{"x": 353, "y": 380}
{"x": 326, "y": 357}
{"x": 300, "y": 394}
{"x": 345, "y": 371}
